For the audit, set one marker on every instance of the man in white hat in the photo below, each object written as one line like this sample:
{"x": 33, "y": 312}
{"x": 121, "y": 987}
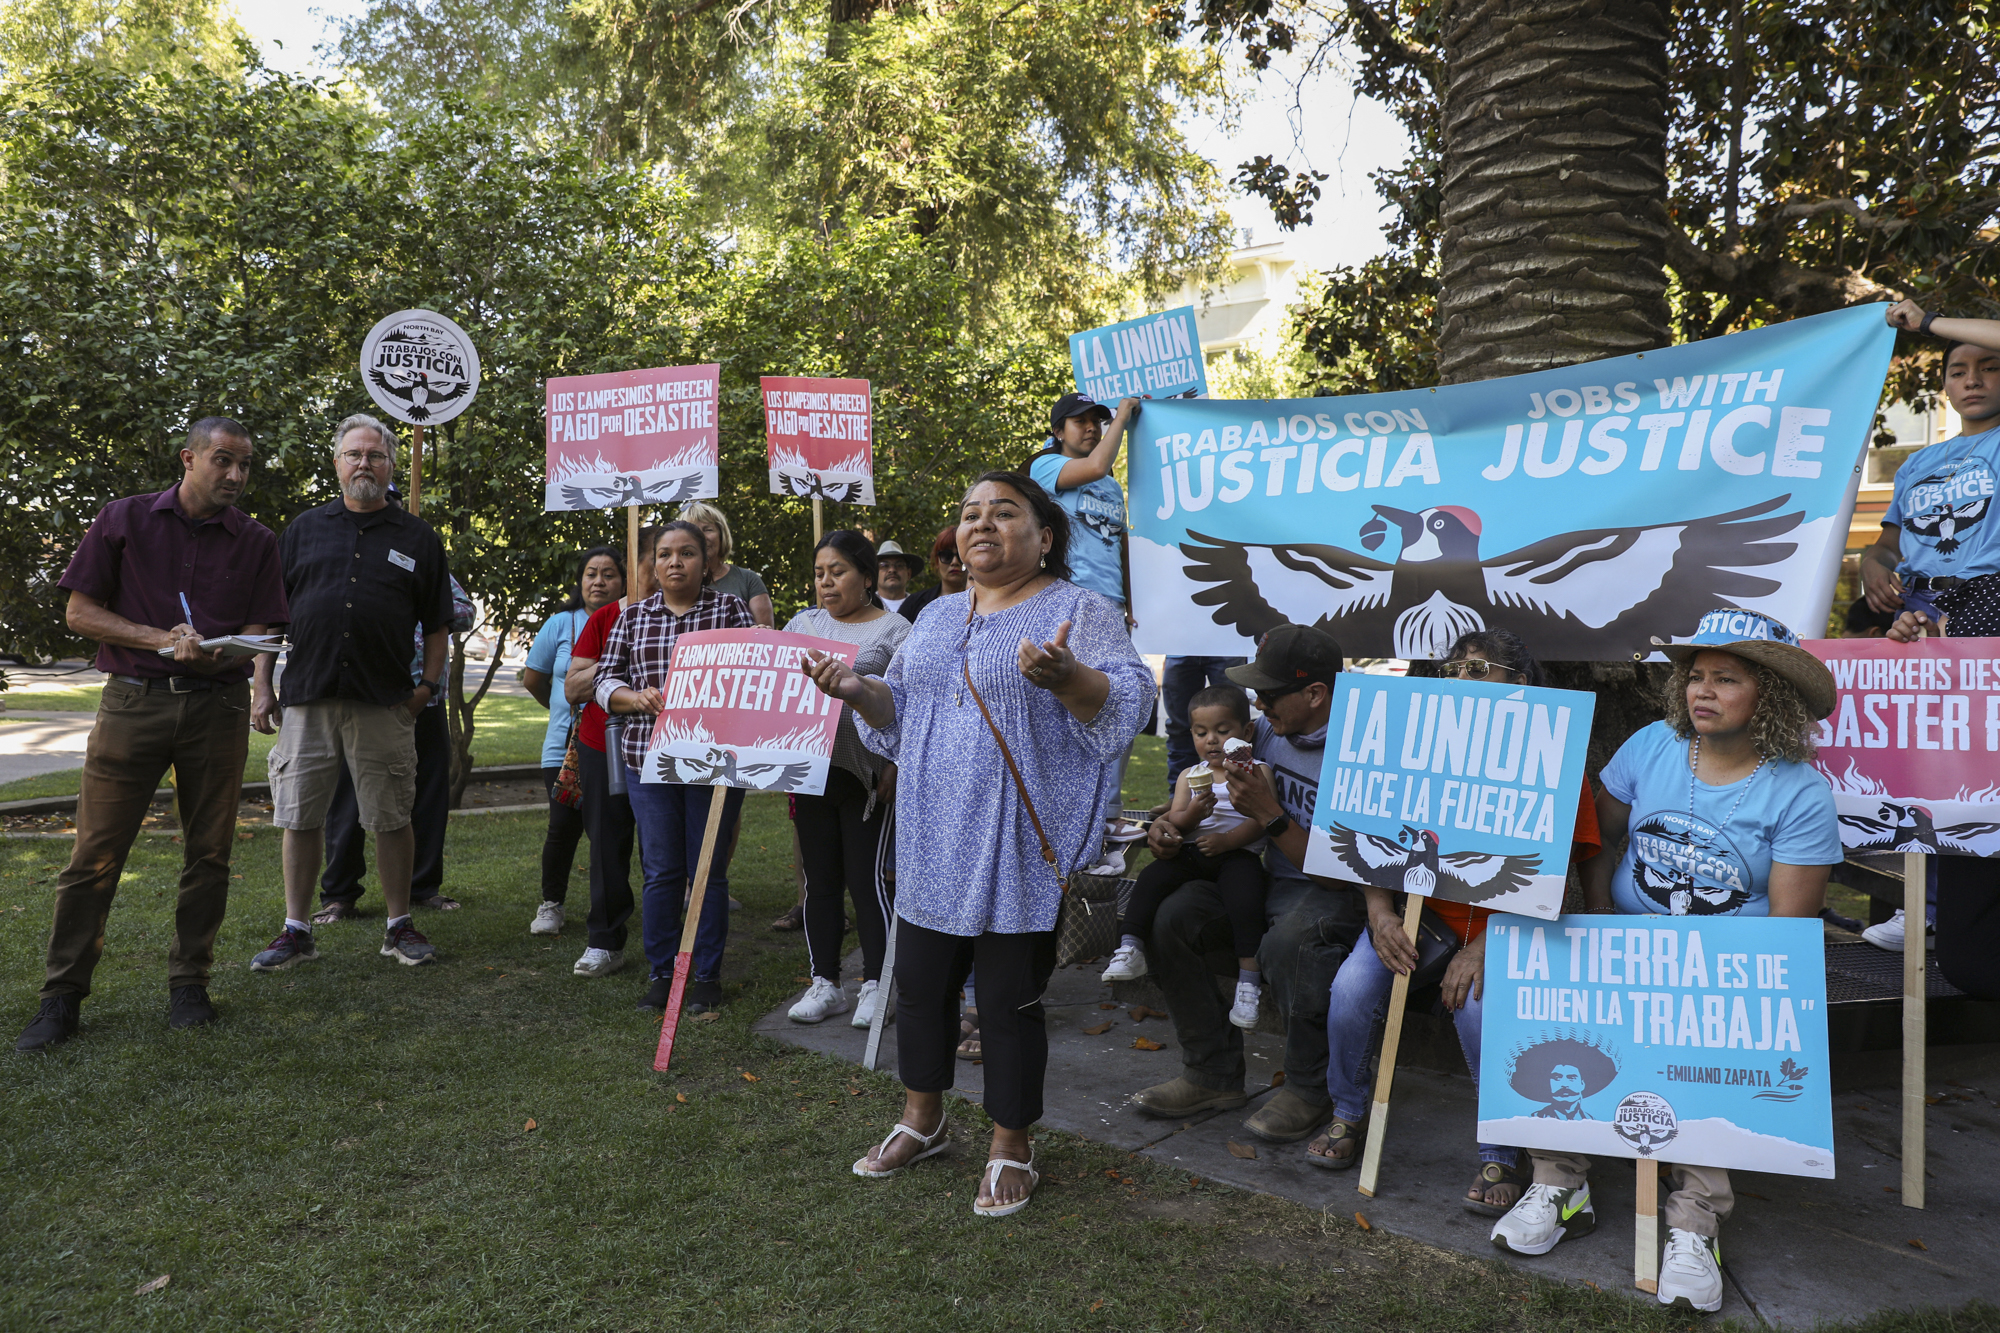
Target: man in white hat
{"x": 892, "y": 575}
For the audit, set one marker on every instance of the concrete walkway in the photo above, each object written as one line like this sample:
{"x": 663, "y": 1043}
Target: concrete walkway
{"x": 33, "y": 742}
{"x": 1797, "y": 1251}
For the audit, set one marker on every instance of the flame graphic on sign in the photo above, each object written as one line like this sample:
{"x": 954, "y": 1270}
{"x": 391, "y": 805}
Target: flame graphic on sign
{"x": 568, "y": 467}
{"x": 790, "y": 460}
{"x": 1853, "y": 782}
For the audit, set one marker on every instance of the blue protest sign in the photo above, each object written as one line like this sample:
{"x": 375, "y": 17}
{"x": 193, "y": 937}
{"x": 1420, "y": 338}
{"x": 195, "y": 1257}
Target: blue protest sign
{"x": 1587, "y": 509}
{"x": 1451, "y": 789}
{"x": 1155, "y": 356}
{"x": 1698, "y": 1040}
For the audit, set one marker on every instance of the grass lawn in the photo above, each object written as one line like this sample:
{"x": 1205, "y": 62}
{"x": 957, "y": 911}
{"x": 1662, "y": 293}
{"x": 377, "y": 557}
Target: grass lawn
{"x": 56, "y": 699}
{"x": 484, "y": 1144}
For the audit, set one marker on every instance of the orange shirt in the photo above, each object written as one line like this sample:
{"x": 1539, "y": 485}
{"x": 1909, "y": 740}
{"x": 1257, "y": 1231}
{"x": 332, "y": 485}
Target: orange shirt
{"x": 1469, "y": 922}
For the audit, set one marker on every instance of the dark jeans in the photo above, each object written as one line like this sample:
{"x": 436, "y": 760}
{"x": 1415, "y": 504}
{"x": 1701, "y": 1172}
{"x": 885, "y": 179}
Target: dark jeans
{"x": 1311, "y": 933}
{"x": 559, "y": 843}
{"x": 346, "y": 844}
{"x": 672, "y": 820}
{"x": 1238, "y": 874}
{"x": 607, "y": 822}
{"x": 1014, "y": 970}
{"x": 1180, "y": 681}
{"x": 1968, "y": 923}
{"x": 843, "y": 854}
{"x": 204, "y": 736}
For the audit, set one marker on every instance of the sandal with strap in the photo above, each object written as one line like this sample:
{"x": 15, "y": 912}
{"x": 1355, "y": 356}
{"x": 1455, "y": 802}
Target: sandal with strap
{"x": 990, "y": 1181}
{"x": 1339, "y": 1135}
{"x": 968, "y": 1039}
{"x": 1495, "y": 1175}
{"x": 927, "y": 1146}
{"x": 339, "y": 909}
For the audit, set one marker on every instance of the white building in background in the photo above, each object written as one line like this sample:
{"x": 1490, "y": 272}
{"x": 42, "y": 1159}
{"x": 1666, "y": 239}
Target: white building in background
{"x": 1245, "y": 311}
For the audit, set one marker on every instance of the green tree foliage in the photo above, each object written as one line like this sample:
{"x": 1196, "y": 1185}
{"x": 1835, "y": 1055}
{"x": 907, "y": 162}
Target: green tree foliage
{"x": 40, "y": 35}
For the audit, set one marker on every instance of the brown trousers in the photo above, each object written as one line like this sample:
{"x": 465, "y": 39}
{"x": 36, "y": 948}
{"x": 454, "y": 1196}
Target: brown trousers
{"x": 204, "y": 736}
{"x": 1701, "y": 1198}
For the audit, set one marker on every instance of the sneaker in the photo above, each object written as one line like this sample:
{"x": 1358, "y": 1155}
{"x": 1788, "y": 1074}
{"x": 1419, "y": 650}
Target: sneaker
{"x": 54, "y": 1023}
{"x": 1544, "y": 1216}
{"x": 871, "y": 995}
{"x": 1111, "y": 867}
{"x": 189, "y": 1007}
{"x": 407, "y": 945}
{"x": 1889, "y": 934}
{"x": 291, "y": 947}
{"x": 821, "y": 1000}
{"x": 701, "y": 997}
{"x": 1249, "y": 998}
{"x": 599, "y": 962}
{"x": 548, "y": 919}
{"x": 1128, "y": 963}
{"x": 1691, "y": 1273}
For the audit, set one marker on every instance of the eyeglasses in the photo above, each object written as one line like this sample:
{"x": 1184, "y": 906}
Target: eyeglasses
{"x": 1476, "y": 668}
{"x": 353, "y": 459}
{"x": 1269, "y": 697}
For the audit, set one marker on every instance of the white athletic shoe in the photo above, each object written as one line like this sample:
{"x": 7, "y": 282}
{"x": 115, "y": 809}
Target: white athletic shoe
{"x": 864, "y": 1005}
{"x": 1544, "y": 1216}
{"x": 1691, "y": 1271}
{"x": 599, "y": 962}
{"x": 1249, "y": 996}
{"x": 548, "y": 919}
{"x": 1111, "y": 867}
{"x": 1128, "y": 963}
{"x": 1889, "y": 934}
{"x": 822, "y": 999}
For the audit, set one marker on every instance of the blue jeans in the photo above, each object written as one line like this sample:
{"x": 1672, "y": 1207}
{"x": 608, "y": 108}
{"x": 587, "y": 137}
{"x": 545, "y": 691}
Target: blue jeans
{"x": 671, "y": 819}
{"x": 1355, "y": 1013}
{"x": 1182, "y": 679}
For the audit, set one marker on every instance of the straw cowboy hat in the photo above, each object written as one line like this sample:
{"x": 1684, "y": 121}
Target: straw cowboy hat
{"x": 1755, "y": 637}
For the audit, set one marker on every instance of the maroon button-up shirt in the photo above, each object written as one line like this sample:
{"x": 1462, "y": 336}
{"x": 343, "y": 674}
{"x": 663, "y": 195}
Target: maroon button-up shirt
{"x": 142, "y": 553}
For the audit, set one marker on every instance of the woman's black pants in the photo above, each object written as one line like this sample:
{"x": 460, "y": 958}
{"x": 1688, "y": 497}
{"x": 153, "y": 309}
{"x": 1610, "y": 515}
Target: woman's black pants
{"x": 844, "y": 854}
{"x": 1014, "y": 970}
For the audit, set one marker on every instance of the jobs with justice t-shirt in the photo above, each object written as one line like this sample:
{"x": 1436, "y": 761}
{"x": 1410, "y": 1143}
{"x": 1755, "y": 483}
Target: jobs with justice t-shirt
{"x": 1943, "y": 506}
{"x": 1713, "y": 860}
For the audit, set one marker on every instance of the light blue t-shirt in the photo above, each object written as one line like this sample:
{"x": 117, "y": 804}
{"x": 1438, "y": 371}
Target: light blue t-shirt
{"x": 1096, "y": 526}
{"x": 1717, "y": 863}
{"x": 1944, "y": 506}
{"x": 550, "y": 654}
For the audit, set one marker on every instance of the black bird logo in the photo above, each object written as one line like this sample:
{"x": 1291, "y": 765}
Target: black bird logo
{"x": 418, "y": 389}
{"x": 1579, "y": 595}
{"x": 1680, "y": 895}
{"x": 628, "y": 489}
{"x": 720, "y": 763}
{"x": 1411, "y": 864}
{"x": 1946, "y": 521}
{"x": 812, "y": 485}
{"x": 1909, "y": 828}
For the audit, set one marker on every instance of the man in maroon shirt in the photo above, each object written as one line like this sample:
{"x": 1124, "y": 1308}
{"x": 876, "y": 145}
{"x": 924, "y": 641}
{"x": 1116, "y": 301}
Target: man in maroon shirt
{"x": 188, "y": 559}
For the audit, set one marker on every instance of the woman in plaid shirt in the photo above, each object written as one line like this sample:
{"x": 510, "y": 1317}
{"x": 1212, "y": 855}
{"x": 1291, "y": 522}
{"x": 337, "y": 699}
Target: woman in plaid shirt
{"x": 671, "y": 818}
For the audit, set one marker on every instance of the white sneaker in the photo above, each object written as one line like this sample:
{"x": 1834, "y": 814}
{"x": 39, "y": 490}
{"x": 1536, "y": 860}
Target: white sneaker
{"x": 1889, "y": 934}
{"x": 864, "y": 1005}
{"x": 821, "y": 1000}
{"x": 1249, "y": 997}
{"x": 1544, "y": 1216}
{"x": 1128, "y": 963}
{"x": 548, "y": 919}
{"x": 1111, "y": 867}
{"x": 1692, "y": 1270}
{"x": 599, "y": 962}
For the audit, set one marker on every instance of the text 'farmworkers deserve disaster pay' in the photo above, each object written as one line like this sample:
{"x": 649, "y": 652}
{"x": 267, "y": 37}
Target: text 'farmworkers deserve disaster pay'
{"x": 740, "y": 711}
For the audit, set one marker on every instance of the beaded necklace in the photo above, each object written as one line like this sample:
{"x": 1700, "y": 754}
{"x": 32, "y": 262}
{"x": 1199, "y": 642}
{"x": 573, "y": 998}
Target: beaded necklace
{"x": 1685, "y": 883}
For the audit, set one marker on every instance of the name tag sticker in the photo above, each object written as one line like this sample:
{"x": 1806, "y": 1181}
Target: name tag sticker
{"x": 398, "y": 558}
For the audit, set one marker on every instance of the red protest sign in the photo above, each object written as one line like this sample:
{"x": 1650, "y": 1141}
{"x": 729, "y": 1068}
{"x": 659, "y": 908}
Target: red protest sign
{"x": 741, "y": 712}
{"x": 1911, "y": 747}
{"x": 821, "y": 437}
{"x": 632, "y": 437}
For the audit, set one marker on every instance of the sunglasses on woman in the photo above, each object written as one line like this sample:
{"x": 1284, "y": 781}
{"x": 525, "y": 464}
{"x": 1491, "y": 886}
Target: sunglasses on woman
{"x": 1476, "y": 668}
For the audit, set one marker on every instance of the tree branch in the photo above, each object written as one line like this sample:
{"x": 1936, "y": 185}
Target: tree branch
{"x": 1377, "y": 33}
{"x": 1743, "y": 276}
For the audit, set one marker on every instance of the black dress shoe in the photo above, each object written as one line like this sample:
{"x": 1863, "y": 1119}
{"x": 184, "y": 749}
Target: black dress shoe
{"x": 189, "y": 1007}
{"x": 701, "y": 997}
{"x": 54, "y": 1024}
{"x": 656, "y": 994}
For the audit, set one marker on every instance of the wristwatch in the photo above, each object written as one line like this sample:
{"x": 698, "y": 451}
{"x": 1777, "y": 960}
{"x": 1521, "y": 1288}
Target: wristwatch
{"x": 1277, "y": 826}
{"x": 437, "y": 690}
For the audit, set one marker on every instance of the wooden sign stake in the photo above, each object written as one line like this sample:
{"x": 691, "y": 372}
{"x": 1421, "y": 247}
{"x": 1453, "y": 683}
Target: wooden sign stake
{"x": 1646, "y": 1229}
{"x": 1916, "y": 871}
{"x": 1385, "y": 1072}
{"x": 416, "y": 469}
{"x": 885, "y": 996}
{"x": 819, "y": 522}
{"x": 631, "y": 554}
{"x": 670, "y": 1021}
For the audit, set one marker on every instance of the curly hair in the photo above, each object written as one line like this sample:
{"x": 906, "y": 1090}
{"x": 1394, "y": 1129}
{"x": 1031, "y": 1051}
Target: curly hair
{"x": 1781, "y": 728}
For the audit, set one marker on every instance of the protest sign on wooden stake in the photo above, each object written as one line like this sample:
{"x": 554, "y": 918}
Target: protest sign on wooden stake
{"x": 632, "y": 437}
{"x": 820, "y": 437}
{"x": 1915, "y": 872}
{"x": 1646, "y": 1227}
{"x": 718, "y": 798}
{"x": 1385, "y": 1074}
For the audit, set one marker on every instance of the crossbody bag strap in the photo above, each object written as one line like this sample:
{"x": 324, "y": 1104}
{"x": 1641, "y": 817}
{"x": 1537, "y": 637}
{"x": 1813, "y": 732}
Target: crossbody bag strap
{"x": 1048, "y": 852}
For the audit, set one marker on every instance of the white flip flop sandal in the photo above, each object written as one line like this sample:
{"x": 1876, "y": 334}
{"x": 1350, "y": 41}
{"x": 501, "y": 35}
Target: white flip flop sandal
{"x": 928, "y": 1147}
{"x": 991, "y": 1181}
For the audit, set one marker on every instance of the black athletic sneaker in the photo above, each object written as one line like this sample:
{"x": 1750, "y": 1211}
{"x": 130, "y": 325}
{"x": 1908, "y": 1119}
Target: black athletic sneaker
{"x": 290, "y": 948}
{"x": 189, "y": 1007}
{"x": 54, "y": 1024}
{"x": 407, "y": 945}
{"x": 657, "y": 991}
{"x": 701, "y": 997}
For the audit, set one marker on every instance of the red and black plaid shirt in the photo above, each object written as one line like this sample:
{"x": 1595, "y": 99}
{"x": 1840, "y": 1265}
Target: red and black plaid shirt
{"x": 641, "y": 648}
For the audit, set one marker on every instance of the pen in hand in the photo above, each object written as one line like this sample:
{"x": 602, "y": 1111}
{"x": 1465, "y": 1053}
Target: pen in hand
{"x": 186, "y": 612}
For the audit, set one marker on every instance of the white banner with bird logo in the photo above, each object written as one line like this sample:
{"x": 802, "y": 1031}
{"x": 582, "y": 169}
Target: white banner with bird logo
{"x": 633, "y": 437}
{"x": 738, "y": 711}
{"x": 821, "y": 438}
{"x": 1587, "y": 509}
{"x": 1912, "y": 748}
{"x": 1452, "y": 789}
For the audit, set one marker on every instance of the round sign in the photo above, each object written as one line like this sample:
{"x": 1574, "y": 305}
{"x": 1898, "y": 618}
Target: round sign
{"x": 419, "y": 367}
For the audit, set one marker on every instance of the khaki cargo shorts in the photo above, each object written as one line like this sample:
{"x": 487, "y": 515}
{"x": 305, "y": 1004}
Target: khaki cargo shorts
{"x": 378, "y": 747}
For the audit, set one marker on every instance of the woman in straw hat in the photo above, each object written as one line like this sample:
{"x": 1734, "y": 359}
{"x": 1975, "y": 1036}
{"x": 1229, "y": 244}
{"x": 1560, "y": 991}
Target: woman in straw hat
{"x": 1729, "y": 818}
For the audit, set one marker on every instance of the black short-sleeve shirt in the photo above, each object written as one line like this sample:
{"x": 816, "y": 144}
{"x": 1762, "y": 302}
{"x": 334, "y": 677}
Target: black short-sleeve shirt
{"x": 360, "y": 585}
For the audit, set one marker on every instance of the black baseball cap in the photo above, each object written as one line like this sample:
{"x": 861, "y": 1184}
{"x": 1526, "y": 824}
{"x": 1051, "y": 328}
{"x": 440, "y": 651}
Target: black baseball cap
{"x": 1075, "y": 405}
{"x": 1291, "y": 656}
